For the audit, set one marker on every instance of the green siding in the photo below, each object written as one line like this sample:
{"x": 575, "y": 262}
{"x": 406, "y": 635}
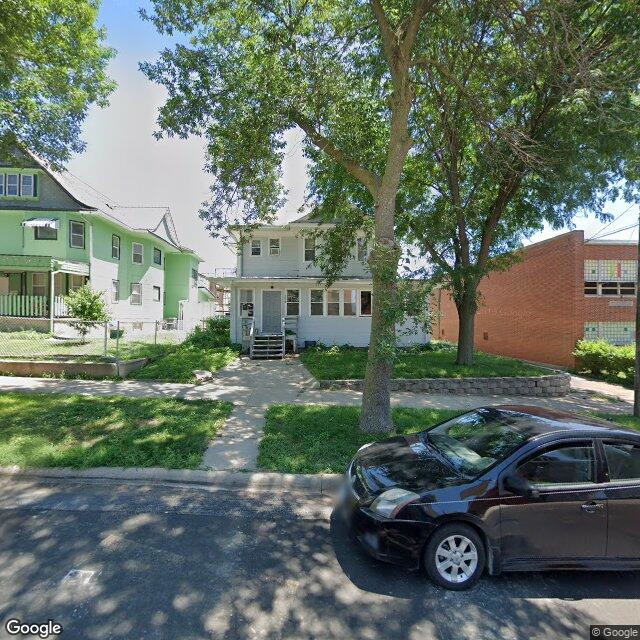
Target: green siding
{"x": 176, "y": 281}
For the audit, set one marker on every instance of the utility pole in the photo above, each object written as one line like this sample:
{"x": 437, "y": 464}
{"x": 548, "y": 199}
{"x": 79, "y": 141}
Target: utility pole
{"x": 636, "y": 379}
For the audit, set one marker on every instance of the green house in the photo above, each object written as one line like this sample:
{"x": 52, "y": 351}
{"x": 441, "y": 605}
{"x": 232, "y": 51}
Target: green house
{"x": 57, "y": 233}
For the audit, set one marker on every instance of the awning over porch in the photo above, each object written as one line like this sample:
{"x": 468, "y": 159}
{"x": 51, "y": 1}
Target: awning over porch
{"x": 47, "y": 223}
{"x": 42, "y": 263}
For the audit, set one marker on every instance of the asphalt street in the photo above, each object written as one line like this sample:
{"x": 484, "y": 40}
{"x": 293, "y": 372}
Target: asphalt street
{"x": 131, "y": 560}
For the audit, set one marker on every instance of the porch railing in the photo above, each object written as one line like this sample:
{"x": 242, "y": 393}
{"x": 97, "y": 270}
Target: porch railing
{"x": 31, "y": 306}
{"x": 23, "y": 306}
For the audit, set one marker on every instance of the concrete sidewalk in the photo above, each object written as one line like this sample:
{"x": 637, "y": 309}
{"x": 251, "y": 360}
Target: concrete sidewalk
{"x": 253, "y": 385}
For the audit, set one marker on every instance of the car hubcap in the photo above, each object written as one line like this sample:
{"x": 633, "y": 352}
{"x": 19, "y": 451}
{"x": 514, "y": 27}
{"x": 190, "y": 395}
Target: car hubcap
{"x": 456, "y": 558}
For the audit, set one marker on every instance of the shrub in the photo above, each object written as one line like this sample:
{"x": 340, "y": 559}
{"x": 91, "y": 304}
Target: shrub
{"x": 600, "y": 356}
{"x": 86, "y": 306}
{"x": 215, "y": 334}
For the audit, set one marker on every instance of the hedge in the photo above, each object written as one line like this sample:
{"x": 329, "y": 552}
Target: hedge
{"x": 599, "y": 356}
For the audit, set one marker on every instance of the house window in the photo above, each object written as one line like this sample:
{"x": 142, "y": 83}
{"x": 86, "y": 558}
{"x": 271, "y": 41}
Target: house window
{"x": 365, "y": 303}
{"x": 309, "y": 249}
{"x": 609, "y": 289}
{"x": 246, "y": 303}
{"x": 156, "y": 294}
{"x": 157, "y": 256}
{"x": 137, "y": 253}
{"x": 136, "y": 293}
{"x": 26, "y": 188}
{"x": 627, "y": 288}
{"x": 590, "y": 288}
{"x": 274, "y": 246}
{"x": 45, "y": 233}
{"x": 333, "y": 302}
{"x": 115, "y": 247}
{"x": 75, "y": 282}
{"x": 349, "y": 305}
{"x": 256, "y": 247}
{"x": 362, "y": 249}
{"x": 115, "y": 291}
{"x": 194, "y": 277}
{"x": 39, "y": 284}
{"x": 293, "y": 302}
{"x": 12, "y": 184}
{"x": 1, "y": 184}
{"x": 76, "y": 234}
{"x": 317, "y": 302}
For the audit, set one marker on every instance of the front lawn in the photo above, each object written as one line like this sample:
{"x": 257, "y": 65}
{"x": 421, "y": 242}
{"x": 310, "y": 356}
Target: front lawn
{"x": 345, "y": 363}
{"x": 321, "y": 439}
{"x": 626, "y": 420}
{"x": 176, "y": 363}
{"x": 76, "y": 431}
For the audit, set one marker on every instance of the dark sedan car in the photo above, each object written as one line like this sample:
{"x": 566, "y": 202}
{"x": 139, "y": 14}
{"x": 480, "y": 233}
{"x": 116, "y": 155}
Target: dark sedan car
{"x": 506, "y": 488}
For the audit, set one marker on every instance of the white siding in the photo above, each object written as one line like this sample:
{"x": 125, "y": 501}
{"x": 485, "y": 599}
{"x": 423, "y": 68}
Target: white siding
{"x": 325, "y": 329}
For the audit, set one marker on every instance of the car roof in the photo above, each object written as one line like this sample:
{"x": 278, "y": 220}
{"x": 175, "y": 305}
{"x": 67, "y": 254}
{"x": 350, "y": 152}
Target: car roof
{"x": 541, "y": 421}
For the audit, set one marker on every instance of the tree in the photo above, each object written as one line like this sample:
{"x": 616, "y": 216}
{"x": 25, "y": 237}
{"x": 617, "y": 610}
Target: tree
{"x": 52, "y": 67}
{"x": 525, "y": 117}
{"x": 343, "y": 73}
{"x": 86, "y": 307}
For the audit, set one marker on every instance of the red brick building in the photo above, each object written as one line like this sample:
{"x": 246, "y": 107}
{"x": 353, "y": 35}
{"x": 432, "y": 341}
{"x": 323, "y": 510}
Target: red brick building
{"x": 562, "y": 290}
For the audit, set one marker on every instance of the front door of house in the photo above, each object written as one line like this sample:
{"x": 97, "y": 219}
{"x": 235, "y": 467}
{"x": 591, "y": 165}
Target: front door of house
{"x": 271, "y": 311}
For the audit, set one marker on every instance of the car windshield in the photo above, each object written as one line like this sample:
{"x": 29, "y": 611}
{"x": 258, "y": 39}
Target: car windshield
{"x": 475, "y": 441}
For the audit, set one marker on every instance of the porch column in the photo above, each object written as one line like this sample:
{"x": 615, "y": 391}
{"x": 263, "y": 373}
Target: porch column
{"x": 52, "y": 301}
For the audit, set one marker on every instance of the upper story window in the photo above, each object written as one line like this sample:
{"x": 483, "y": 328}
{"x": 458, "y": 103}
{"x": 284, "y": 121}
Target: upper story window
{"x": 115, "y": 247}
{"x": 157, "y": 256}
{"x": 309, "y": 249}
{"x": 274, "y": 246}
{"x": 18, "y": 185}
{"x": 45, "y": 233}
{"x": 76, "y": 234}
{"x": 137, "y": 253}
{"x": 592, "y": 288}
{"x": 194, "y": 277}
{"x": 362, "y": 249}
{"x": 256, "y": 247}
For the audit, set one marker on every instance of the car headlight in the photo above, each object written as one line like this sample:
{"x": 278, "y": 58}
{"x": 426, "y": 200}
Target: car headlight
{"x": 389, "y": 503}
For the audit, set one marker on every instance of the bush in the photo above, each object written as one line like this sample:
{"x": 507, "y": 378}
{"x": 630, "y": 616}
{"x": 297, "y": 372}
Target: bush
{"x": 215, "y": 334}
{"x": 87, "y": 307}
{"x": 600, "y": 356}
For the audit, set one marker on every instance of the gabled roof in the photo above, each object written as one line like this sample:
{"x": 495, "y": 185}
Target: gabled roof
{"x": 156, "y": 220}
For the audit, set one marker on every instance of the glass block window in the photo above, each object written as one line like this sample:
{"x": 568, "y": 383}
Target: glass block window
{"x": 613, "y": 332}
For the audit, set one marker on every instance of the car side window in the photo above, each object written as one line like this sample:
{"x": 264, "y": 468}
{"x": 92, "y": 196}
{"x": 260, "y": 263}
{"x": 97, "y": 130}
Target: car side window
{"x": 623, "y": 460}
{"x": 565, "y": 465}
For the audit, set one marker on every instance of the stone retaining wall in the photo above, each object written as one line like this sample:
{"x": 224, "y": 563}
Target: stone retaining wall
{"x": 548, "y": 386}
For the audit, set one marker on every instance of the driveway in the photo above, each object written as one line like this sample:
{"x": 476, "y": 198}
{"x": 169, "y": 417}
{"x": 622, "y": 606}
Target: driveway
{"x": 178, "y": 562}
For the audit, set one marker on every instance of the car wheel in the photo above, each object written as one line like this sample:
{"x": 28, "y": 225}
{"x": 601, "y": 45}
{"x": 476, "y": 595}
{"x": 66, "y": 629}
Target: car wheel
{"x": 454, "y": 557}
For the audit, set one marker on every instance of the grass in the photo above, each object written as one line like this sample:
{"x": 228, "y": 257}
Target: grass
{"x": 176, "y": 363}
{"x": 344, "y": 363}
{"x": 626, "y": 420}
{"x": 75, "y": 431}
{"x": 321, "y": 439}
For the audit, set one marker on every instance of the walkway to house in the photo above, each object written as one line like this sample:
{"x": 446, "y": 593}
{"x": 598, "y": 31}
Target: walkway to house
{"x": 253, "y": 385}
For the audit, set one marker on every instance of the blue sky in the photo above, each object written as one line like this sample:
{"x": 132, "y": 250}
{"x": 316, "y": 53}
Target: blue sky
{"x": 124, "y": 161}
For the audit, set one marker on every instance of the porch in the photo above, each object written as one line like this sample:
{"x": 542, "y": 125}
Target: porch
{"x": 35, "y": 286}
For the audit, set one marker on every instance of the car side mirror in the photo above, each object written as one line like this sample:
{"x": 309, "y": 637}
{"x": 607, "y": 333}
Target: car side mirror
{"x": 521, "y": 487}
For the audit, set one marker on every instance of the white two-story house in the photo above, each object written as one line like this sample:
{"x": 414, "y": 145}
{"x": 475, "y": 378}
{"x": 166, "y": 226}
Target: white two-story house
{"x": 277, "y": 288}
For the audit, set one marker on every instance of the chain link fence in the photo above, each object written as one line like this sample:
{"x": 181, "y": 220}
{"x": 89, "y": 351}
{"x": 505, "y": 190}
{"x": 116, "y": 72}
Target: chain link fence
{"x": 32, "y": 339}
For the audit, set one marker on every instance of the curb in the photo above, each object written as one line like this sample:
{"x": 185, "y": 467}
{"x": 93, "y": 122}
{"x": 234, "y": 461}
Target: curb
{"x": 322, "y": 483}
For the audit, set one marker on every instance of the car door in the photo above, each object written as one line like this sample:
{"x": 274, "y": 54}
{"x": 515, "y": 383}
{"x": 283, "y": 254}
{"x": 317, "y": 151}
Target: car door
{"x": 623, "y": 498}
{"x": 567, "y": 520}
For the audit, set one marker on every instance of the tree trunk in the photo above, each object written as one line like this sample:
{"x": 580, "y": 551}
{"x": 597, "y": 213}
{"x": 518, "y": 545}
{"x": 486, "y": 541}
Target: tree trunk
{"x": 636, "y": 380}
{"x": 467, "y": 308}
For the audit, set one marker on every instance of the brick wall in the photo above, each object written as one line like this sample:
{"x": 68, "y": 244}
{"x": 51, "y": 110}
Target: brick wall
{"x": 537, "y": 309}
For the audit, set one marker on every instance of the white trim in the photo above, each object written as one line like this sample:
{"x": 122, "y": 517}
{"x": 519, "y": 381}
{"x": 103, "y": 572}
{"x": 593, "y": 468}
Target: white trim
{"x": 72, "y": 235}
{"x": 279, "y": 246}
{"x": 133, "y": 245}
{"x": 333, "y": 315}
{"x": 304, "y": 249}
{"x": 259, "y": 241}
{"x": 324, "y": 303}
{"x": 119, "y": 247}
{"x": 22, "y": 177}
{"x": 157, "y": 289}
{"x": 2, "y": 183}
{"x": 253, "y": 298}
{"x": 135, "y": 304}
{"x": 116, "y": 289}
{"x": 17, "y": 185}
{"x": 286, "y": 303}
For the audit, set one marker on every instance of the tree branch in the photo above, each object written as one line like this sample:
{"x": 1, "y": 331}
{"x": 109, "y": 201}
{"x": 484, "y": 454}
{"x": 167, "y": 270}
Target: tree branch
{"x": 369, "y": 179}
